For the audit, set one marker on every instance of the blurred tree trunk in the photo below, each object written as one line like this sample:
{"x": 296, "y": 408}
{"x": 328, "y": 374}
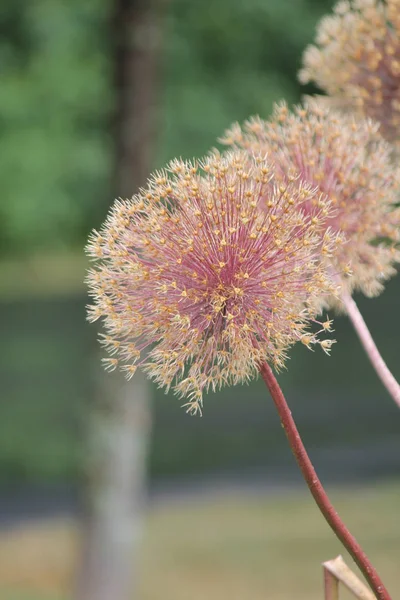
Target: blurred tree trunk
{"x": 121, "y": 421}
{"x": 137, "y": 37}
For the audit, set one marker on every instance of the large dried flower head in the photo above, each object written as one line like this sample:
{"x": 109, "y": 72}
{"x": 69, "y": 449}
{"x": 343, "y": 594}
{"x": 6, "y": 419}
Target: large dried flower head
{"x": 197, "y": 285}
{"x": 356, "y": 60}
{"x": 347, "y": 160}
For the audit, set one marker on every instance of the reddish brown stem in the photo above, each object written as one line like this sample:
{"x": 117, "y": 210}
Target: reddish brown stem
{"x": 316, "y": 488}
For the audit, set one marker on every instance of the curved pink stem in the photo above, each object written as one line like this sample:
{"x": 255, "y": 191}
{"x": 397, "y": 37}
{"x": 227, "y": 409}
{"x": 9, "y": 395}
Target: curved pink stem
{"x": 370, "y": 348}
{"x": 316, "y": 488}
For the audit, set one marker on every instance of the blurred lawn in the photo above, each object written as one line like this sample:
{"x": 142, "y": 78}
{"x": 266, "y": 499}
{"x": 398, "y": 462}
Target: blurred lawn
{"x": 230, "y": 546}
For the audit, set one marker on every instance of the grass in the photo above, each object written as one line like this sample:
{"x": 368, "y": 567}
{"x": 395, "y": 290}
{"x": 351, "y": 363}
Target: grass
{"x": 235, "y": 547}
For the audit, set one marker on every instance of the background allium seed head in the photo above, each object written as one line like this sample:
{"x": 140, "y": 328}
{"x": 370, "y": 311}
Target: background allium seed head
{"x": 357, "y": 59}
{"x": 347, "y": 160}
{"x": 197, "y": 285}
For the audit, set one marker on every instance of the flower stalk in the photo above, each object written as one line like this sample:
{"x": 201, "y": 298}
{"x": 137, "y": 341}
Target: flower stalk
{"x": 371, "y": 349}
{"x": 316, "y": 488}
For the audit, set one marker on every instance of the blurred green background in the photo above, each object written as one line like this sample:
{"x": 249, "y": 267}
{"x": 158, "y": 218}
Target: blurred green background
{"x": 222, "y": 61}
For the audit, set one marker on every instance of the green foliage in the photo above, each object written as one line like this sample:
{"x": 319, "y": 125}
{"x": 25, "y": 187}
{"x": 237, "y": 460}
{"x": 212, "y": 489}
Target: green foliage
{"x": 227, "y": 61}
{"x": 54, "y": 99}
{"x": 224, "y": 60}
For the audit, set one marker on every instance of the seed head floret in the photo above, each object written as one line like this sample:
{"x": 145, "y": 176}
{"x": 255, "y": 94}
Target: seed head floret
{"x": 356, "y": 60}
{"x": 196, "y": 285}
{"x": 346, "y": 159}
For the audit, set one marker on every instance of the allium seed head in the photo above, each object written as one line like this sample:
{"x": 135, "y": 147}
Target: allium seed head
{"x": 356, "y": 60}
{"x": 347, "y": 160}
{"x": 197, "y": 285}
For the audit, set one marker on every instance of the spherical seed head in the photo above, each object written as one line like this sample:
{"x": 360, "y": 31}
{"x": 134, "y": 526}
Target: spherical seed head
{"x": 197, "y": 285}
{"x": 347, "y": 160}
{"x": 356, "y": 60}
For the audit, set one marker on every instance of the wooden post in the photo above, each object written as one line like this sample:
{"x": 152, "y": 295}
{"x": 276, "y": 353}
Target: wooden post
{"x": 336, "y": 571}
